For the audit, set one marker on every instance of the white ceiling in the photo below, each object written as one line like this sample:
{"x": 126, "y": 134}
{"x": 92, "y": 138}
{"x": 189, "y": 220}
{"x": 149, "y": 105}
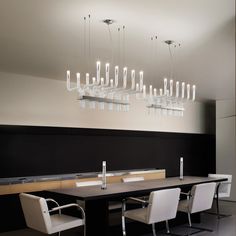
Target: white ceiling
{"x": 45, "y": 38}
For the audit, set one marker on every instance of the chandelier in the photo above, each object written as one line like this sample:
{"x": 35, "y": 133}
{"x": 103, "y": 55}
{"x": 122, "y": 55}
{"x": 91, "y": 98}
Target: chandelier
{"x": 111, "y": 91}
{"x": 108, "y": 91}
{"x": 169, "y": 101}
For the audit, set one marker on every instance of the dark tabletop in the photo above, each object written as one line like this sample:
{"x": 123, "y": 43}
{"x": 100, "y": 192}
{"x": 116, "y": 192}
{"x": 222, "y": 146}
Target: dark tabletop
{"x": 133, "y": 188}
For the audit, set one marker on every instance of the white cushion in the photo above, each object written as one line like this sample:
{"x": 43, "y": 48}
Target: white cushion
{"x": 137, "y": 214}
{"x": 64, "y": 222}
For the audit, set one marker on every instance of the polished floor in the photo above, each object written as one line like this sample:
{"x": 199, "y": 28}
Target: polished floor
{"x": 223, "y": 227}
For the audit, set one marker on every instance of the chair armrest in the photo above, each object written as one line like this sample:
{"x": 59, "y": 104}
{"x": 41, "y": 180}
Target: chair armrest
{"x": 137, "y": 200}
{"x": 52, "y": 200}
{"x": 59, "y": 208}
{"x": 186, "y": 194}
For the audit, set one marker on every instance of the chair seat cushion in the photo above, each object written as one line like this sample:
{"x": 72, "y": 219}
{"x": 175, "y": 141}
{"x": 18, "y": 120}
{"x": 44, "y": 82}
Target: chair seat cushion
{"x": 63, "y": 222}
{"x": 137, "y": 214}
{"x": 183, "y": 206}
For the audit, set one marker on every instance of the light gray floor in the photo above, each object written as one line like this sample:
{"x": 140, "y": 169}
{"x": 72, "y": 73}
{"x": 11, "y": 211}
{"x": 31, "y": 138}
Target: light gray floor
{"x": 223, "y": 227}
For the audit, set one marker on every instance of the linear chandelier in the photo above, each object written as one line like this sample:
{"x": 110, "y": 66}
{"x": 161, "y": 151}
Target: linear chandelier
{"x": 102, "y": 91}
{"x": 166, "y": 102}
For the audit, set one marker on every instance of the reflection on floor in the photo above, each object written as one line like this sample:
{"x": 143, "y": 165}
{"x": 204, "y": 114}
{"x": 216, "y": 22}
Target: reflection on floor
{"x": 223, "y": 227}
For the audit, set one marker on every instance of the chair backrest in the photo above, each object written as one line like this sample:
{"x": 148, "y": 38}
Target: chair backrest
{"x": 163, "y": 205}
{"x": 88, "y": 183}
{"x": 201, "y": 197}
{"x": 132, "y": 179}
{"x": 225, "y": 186}
{"x": 36, "y": 213}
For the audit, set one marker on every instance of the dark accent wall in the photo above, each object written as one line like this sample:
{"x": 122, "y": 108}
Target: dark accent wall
{"x": 31, "y": 151}
{"x": 28, "y": 150}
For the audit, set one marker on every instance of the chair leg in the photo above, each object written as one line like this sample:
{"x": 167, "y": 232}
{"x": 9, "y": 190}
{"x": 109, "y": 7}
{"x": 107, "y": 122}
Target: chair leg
{"x": 167, "y": 227}
{"x": 123, "y": 226}
{"x": 59, "y": 233}
{"x": 123, "y": 218}
{"x": 84, "y": 230}
{"x": 153, "y": 229}
{"x": 189, "y": 219}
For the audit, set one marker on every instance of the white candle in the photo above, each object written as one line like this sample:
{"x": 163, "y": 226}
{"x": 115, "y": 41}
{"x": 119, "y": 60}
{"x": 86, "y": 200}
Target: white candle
{"x": 102, "y": 81}
{"x": 183, "y": 88}
{"x": 111, "y": 83}
{"x": 68, "y": 80}
{"x": 171, "y": 87}
{"x": 94, "y": 80}
{"x": 165, "y": 85}
{"x": 177, "y": 89}
{"x": 98, "y": 71}
{"x": 107, "y": 74}
{"x": 144, "y": 91}
{"x": 124, "y": 77}
{"x": 194, "y": 92}
{"x": 161, "y": 92}
{"x": 132, "y": 79}
{"x": 78, "y": 80}
{"x": 188, "y": 91}
{"x": 141, "y": 80}
{"x": 137, "y": 87}
{"x": 155, "y": 92}
{"x": 150, "y": 90}
{"x": 116, "y": 75}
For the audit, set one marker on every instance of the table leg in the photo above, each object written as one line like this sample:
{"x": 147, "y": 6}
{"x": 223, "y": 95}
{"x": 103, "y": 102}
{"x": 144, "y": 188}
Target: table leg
{"x": 97, "y": 217}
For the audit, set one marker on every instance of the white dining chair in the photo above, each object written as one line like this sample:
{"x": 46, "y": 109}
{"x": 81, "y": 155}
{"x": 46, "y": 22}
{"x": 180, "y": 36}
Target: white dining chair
{"x": 38, "y": 216}
{"x": 199, "y": 199}
{"x": 223, "y": 190}
{"x": 161, "y": 206}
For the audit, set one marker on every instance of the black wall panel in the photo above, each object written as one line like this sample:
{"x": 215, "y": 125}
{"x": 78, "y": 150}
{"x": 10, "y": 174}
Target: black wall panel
{"x": 32, "y": 151}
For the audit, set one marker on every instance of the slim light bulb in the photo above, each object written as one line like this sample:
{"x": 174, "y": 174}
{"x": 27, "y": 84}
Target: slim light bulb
{"x": 194, "y": 92}
{"x": 141, "y": 80}
{"x": 107, "y": 73}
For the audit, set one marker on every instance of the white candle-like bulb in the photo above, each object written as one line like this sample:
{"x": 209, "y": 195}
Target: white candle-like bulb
{"x": 116, "y": 75}
{"x": 161, "y": 92}
{"x": 165, "y": 85}
{"x": 194, "y": 92}
{"x": 150, "y": 90}
{"x": 132, "y": 79}
{"x": 137, "y": 87}
{"x": 94, "y": 80}
{"x": 98, "y": 71}
{"x": 171, "y": 87}
{"x": 177, "y": 89}
{"x": 102, "y": 81}
{"x": 144, "y": 91}
{"x": 141, "y": 80}
{"x": 111, "y": 83}
{"x": 155, "y": 92}
{"x": 188, "y": 91}
{"x": 107, "y": 73}
{"x": 78, "y": 80}
{"x": 87, "y": 78}
{"x": 68, "y": 80}
{"x": 183, "y": 88}
{"x": 167, "y": 92}
{"x": 124, "y": 77}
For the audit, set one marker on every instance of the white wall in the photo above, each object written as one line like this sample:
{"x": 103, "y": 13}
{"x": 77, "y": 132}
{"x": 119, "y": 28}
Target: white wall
{"x": 27, "y": 100}
{"x": 225, "y": 140}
